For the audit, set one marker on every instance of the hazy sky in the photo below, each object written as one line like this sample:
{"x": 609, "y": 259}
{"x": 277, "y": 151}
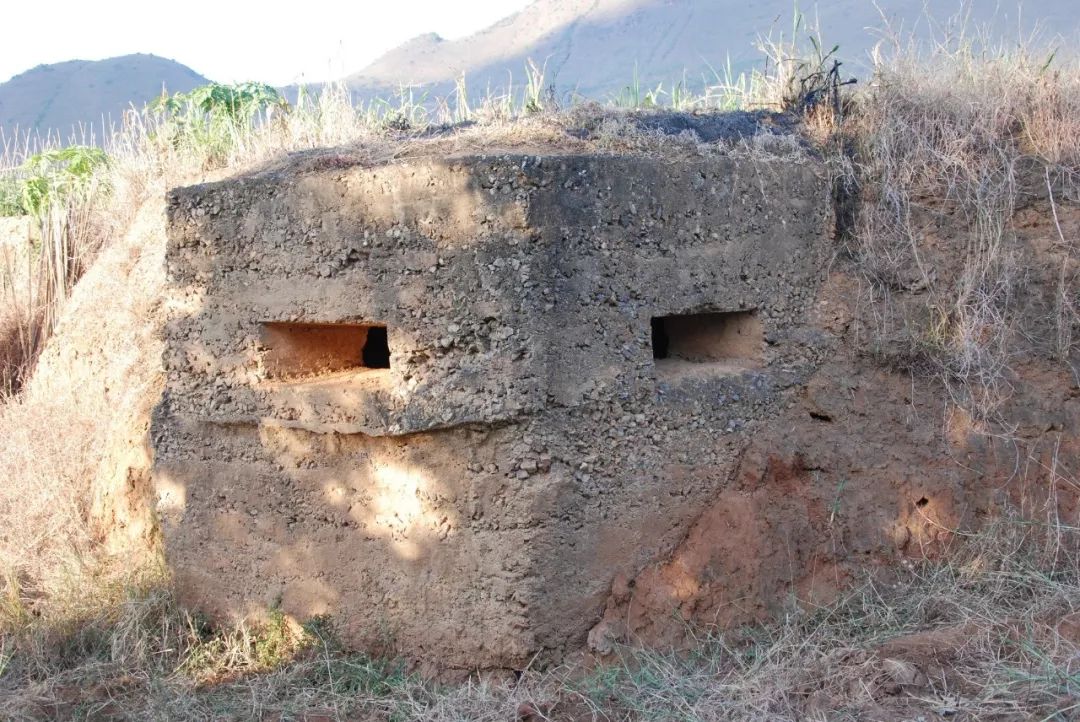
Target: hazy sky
{"x": 228, "y": 41}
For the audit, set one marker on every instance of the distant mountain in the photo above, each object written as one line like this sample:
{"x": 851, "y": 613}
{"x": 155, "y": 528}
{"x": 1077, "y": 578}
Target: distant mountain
{"x": 60, "y": 98}
{"x": 596, "y": 46}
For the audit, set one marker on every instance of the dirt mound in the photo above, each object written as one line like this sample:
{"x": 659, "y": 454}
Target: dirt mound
{"x": 871, "y": 464}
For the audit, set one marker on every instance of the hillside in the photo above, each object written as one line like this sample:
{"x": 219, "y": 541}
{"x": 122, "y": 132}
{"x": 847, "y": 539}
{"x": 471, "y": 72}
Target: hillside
{"x": 57, "y": 98}
{"x": 594, "y": 46}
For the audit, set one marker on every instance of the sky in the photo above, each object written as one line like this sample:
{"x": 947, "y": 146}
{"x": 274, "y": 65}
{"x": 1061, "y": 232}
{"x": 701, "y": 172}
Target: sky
{"x": 228, "y": 41}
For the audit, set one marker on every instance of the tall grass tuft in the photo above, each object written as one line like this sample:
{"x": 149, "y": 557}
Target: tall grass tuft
{"x": 957, "y": 129}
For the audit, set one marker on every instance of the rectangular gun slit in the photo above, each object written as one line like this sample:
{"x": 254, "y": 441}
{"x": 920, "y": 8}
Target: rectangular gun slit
{"x": 731, "y": 337}
{"x": 305, "y": 350}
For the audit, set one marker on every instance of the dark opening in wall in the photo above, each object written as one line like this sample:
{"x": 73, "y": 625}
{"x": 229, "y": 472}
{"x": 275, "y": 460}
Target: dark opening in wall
{"x": 300, "y": 350}
{"x": 660, "y": 341}
{"x": 733, "y": 338}
{"x": 376, "y": 353}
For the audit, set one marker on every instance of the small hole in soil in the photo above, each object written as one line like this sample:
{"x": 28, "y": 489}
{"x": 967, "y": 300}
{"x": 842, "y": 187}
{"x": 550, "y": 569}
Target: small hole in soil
{"x": 922, "y": 502}
{"x": 304, "y": 350}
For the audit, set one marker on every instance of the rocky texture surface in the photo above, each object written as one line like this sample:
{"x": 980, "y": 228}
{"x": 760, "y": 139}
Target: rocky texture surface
{"x": 473, "y": 503}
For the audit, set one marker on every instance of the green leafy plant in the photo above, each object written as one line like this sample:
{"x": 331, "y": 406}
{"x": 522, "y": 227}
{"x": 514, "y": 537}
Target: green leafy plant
{"x": 235, "y": 103}
{"x": 215, "y": 117}
{"x": 56, "y": 175}
{"x": 275, "y": 643}
{"x": 50, "y": 178}
{"x": 10, "y": 196}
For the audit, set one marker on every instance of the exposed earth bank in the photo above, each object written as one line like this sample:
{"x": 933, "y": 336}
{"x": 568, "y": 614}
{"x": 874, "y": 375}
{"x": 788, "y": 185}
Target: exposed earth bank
{"x": 871, "y": 460}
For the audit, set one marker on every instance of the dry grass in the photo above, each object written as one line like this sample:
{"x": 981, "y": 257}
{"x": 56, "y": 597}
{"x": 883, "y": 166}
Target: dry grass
{"x": 44, "y": 550}
{"x": 985, "y": 635}
{"x": 35, "y": 280}
{"x": 959, "y": 133}
{"x": 993, "y": 633}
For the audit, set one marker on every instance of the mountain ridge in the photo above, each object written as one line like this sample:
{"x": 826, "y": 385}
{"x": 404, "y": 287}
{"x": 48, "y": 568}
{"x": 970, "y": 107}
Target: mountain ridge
{"x": 81, "y": 97}
{"x": 595, "y": 47}
{"x": 592, "y": 48}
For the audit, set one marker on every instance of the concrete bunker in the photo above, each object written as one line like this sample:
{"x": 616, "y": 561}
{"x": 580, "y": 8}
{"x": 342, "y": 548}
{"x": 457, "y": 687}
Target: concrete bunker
{"x": 466, "y": 488}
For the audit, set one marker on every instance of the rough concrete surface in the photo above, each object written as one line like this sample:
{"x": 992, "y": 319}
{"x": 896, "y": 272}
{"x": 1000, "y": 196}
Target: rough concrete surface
{"x": 579, "y": 349}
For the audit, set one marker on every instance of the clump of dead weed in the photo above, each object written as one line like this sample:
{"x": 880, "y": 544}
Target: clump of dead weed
{"x": 947, "y": 146}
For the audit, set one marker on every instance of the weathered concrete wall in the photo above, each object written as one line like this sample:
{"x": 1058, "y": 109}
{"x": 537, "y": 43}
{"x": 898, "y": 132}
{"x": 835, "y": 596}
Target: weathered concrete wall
{"x": 472, "y": 504}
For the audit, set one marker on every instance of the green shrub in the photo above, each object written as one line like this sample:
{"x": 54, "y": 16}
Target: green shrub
{"x": 215, "y": 117}
{"x": 49, "y": 178}
{"x": 10, "y": 203}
